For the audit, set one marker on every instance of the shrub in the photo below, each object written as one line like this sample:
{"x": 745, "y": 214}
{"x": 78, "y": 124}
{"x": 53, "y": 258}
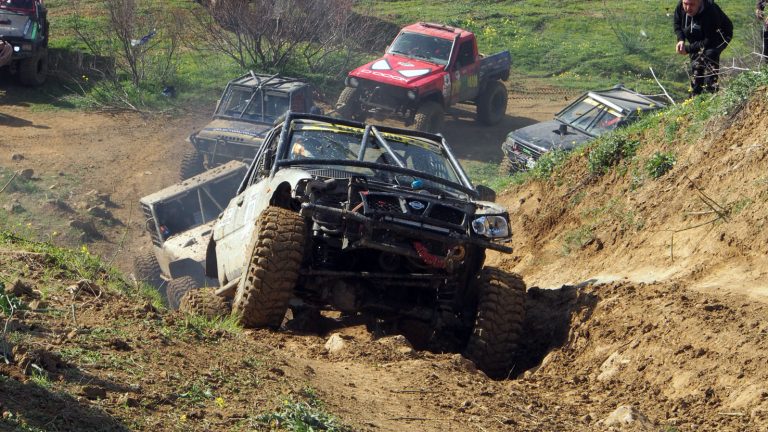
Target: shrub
{"x": 608, "y": 151}
{"x": 659, "y": 164}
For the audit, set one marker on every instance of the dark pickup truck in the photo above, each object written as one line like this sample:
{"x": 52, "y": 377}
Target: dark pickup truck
{"x": 427, "y": 69}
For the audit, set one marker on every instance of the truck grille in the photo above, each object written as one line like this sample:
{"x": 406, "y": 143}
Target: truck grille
{"x": 417, "y": 208}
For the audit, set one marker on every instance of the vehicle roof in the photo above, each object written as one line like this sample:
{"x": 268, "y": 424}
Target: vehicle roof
{"x": 181, "y": 188}
{"x": 437, "y": 30}
{"x": 624, "y": 99}
{"x": 273, "y": 82}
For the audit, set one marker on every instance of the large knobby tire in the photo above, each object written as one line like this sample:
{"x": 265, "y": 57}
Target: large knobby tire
{"x": 429, "y": 117}
{"x": 34, "y": 70}
{"x": 177, "y": 288}
{"x": 348, "y": 105}
{"x": 204, "y": 302}
{"x": 191, "y": 163}
{"x": 146, "y": 269}
{"x": 498, "y": 322}
{"x": 267, "y": 284}
{"x": 492, "y": 103}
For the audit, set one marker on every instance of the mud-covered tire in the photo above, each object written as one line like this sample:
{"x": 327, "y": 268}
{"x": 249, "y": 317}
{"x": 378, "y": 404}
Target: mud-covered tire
{"x": 276, "y": 253}
{"x": 498, "y": 322}
{"x": 348, "y": 105}
{"x": 191, "y": 163}
{"x": 429, "y": 117}
{"x": 146, "y": 269}
{"x": 33, "y": 71}
{"x": 177, "y": 288}
{"x": 204, "y": 302}
{"x": 492, "y": 104}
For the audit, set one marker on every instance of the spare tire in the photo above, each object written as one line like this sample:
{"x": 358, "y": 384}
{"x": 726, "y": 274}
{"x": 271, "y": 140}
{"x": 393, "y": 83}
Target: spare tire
{"x": 204, "y": 302}
{"x": 146, "y": 270}
{"x": 498, "y": 322}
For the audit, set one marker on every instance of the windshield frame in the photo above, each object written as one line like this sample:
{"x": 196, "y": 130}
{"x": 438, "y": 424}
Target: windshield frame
{"x": 434, "y": 60}
{"x": 591, "y": 129}
{"x": 263, "y": 117}
{"x": 462, "y": 183}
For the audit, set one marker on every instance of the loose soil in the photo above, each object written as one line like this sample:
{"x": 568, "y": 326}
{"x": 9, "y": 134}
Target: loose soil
{"x": 677, "y": 331}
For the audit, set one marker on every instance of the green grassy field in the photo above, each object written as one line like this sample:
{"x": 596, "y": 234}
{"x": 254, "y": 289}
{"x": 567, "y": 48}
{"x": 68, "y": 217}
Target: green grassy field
{"x": 580, "y": 43}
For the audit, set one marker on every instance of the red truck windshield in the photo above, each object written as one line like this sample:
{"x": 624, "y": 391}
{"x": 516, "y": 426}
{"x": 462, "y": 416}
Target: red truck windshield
{"x": 432, "y": 49}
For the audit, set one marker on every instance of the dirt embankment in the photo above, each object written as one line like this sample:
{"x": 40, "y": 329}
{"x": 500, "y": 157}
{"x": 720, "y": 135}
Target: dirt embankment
{"x": 676, "y": 342}
{"x": 702, "y": 224}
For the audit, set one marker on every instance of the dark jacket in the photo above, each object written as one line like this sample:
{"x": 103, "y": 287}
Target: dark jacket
{"x": 709, "y": 30}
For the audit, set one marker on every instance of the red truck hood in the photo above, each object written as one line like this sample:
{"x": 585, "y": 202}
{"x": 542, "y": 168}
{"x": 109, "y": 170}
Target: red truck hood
{"x": 397, "y": 71}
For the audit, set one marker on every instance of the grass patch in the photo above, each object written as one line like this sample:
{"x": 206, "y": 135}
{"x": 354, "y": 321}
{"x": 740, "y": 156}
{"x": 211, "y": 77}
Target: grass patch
{"x": 576, "y": 239}
{"x": 302, "y": 416}
{"x": 202, "y": 326}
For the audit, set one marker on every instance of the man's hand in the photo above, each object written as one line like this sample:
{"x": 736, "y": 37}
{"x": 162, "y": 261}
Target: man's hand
{"x": 680, "y": 48}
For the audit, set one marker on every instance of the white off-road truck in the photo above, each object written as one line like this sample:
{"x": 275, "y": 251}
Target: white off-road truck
{"x": 342, "y": 215}
{"x": 179, "y": 221}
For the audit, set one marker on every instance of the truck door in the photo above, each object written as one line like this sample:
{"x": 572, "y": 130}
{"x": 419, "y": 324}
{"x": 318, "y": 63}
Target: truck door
{"x": 464, "y": 72}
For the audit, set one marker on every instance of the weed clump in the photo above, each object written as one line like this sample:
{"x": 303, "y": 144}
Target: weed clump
{"x": 659, "y": 164}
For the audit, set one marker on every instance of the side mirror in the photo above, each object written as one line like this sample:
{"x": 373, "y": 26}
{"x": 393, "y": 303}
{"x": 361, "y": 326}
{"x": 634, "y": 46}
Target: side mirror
{"x": 485, "y": 193}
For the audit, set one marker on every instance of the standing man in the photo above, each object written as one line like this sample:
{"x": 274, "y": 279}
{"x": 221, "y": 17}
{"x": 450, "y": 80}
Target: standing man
{"x": 760, "y": 13}
{"x": 708, "y": 32}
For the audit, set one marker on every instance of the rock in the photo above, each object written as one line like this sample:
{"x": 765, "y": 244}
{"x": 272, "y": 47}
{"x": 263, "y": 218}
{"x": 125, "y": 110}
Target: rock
{"x": 14, "y": 207}
{"x": 87, "y": 227}
{"x": 60, "y": 204}
{"x": 335, "y": 344}
{"x": 611, "y": 367}
{"x": 627, "y": 415}
{"x": 20, "y": 288}
{"x": 17, "y": 157}
{"x": 100, "y": 212}
{"x": 93, "y": 392}
{"x": 84, "y": 287}
{"x": 27, "y": 173}
{"x": 462, "y": 363}
{"x": 120, "y": 345}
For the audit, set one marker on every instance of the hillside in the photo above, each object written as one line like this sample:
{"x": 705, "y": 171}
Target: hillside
{"x": 675, "y": 340}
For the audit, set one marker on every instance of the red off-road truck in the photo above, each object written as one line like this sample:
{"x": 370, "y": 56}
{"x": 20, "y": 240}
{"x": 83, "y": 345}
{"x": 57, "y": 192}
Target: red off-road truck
{"x": 427, "y": 69}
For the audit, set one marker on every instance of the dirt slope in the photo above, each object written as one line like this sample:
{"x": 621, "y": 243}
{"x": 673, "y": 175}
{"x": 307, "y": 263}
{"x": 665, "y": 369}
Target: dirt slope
{"x": 630, "y": 227}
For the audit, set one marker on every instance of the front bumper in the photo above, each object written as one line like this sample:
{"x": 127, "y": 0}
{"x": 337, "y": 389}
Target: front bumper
{"x": 521, "y": 157}
{"x": 417, "y": 230}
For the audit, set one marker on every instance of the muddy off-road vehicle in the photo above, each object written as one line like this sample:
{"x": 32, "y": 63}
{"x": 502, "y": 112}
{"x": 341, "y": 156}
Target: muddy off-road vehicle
{"x": 24, "y": 40}
{"x": 591, "y": 115}
{"x": 336, "y": 214}
{"x": 248, "y": 109}
{"x": 179, "y": 219}
{"x": 427, "y": 69}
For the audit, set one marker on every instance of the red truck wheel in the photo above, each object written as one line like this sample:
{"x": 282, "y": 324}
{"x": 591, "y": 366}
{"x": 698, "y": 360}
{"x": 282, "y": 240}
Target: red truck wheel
{"x": 492, "y": 103}
{"x": 348, "y": 105}
{"x": 429, "y": 117}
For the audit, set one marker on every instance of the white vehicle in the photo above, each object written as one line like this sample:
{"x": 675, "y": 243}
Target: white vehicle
{"x": 337, "y": 214}
{"x": 179, "y": 220}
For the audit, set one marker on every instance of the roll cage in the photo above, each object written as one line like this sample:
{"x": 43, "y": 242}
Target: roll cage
{"x": 273, "y": 157}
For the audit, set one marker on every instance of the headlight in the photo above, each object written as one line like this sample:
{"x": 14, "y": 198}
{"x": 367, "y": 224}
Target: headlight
{"x": 352, "y": 82}
{"x": 491, "y": 226}
{"x": 411, "y": 94}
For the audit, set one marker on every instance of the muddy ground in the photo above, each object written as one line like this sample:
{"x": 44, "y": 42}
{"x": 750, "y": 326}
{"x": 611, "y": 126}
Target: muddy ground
{"x": 665, "y": 341}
